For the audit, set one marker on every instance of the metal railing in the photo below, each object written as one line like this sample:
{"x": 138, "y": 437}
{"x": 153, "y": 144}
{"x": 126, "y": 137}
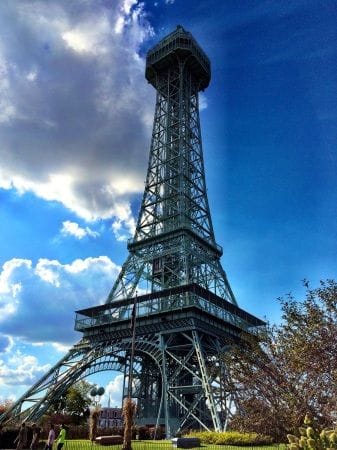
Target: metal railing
{"x": 158, "y": 445}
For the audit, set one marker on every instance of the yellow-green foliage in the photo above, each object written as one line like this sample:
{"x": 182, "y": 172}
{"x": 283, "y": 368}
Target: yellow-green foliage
{"x": 231, "y": 438}
{"x": 312, "y": 439}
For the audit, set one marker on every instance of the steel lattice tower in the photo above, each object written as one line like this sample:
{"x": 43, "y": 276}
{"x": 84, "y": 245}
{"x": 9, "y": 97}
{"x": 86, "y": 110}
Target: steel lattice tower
{"x": 186, "y": 312}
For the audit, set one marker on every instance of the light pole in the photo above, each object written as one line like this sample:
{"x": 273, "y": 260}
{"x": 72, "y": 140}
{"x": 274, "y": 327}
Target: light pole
{"x": 97, "y": 392}
{"x": 129, "y": 406}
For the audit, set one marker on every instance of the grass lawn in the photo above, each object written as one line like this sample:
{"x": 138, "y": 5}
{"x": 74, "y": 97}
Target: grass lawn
{"x": 82, "y": 444}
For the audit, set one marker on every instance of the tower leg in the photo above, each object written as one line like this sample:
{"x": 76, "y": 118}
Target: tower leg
{"x": 164, "y": 389}
{"x": 206, "y": 382}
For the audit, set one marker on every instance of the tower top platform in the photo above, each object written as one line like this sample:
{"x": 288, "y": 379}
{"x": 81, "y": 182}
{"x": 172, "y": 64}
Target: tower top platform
{"x": 178, "y": 44}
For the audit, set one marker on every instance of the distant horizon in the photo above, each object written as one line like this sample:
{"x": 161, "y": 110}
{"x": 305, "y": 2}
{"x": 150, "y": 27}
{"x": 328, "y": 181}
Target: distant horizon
{"x": 75, "y": 129}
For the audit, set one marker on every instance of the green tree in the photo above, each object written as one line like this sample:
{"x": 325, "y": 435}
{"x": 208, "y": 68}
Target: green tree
{"x": 75, "y": 401}
{"x": 77, "y": 398}
{"x": 291, "y": 368}
{"x": 5, "y": 405}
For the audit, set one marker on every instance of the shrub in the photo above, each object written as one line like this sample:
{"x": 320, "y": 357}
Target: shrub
{"x": 7, "y": 438}
{"x": 143, "y": 433}
{"x": 9, "y": 435}
{"x": 311, "y": 438}
{"x": 231, "y": 438}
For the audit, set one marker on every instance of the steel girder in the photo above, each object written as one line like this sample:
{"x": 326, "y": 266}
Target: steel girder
{"x": 183, "y": 259}
{"x": 178, "y": 379}
{"x": 81, "y": 361}
{"x": 194, "y": 386}
{"x": 174, "y": 240}
{"x": 185, "y": 386}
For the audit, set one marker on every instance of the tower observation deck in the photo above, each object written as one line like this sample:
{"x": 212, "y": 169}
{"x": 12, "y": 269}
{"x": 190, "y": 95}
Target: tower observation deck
{"x": 178, "y": 44}
{"x": 172, "y": 282}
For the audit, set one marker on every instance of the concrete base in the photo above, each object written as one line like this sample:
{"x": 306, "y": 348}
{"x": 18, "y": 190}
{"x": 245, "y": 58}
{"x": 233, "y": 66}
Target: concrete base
{"x": 109, "y": 440}
{"x": 185, "y": 442}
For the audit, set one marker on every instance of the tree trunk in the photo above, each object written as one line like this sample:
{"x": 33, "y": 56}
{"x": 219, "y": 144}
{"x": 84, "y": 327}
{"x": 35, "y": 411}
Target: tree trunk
{"x": 93, "y": 423}
{"x": 129, "y": 409}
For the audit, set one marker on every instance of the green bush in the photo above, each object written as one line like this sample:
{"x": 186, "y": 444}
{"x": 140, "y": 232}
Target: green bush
{"x": 231, "y": 438}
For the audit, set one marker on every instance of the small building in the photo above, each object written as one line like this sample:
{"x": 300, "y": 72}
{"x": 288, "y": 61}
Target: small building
{"x": 110, "y": 417}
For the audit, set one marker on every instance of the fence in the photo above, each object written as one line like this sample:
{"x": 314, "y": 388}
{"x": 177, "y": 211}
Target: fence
{"x": 159, "y": 445}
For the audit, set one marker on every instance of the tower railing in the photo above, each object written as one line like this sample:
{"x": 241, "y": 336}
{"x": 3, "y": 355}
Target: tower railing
{"x": 175, "y": 299}
{"x": 180, "y": 40}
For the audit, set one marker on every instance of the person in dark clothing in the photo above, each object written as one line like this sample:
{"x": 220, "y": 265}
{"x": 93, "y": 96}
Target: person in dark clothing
{"x": 21, "y": 438}
{"x": 36, "y": 437}
{"x": 1, "y": 436}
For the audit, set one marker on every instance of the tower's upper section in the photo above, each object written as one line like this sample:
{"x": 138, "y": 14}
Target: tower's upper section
{"x": 179, "y": 44}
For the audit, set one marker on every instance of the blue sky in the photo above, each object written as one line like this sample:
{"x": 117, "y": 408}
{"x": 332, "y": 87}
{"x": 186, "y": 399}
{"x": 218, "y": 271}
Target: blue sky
{"x": 75, "y": 128}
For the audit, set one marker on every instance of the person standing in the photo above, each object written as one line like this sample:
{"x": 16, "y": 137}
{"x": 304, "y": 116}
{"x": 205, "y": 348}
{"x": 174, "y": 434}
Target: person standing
{"x": 1, "y": 436}
{"x": 21, "y": 438}
{"x": 35, "y": 438}
{"x": 61, "y": 437}
{"x": 51, "y": 438}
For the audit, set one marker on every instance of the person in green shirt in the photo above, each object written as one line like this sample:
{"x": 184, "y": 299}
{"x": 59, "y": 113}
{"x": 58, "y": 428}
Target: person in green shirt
{"x": 61, "y": 437}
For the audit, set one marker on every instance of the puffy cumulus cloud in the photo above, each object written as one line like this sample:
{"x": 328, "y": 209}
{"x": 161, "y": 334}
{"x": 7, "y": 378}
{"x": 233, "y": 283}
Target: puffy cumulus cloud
{"x": 10, "y": 284}
{"x": 38, "y": 302}
{"x": 21, "y": 369}
{"x": 75, "y": 109}
{"x": 62, "y": 348}
{"x": 113, "y": 391}
{"x": 73, "y": 229}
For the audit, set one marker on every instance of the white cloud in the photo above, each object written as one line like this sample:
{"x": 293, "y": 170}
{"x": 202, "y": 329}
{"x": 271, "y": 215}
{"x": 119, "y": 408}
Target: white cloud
{"x": 127, "y": 5}
{"x": 21, "y": 365}
{"x": 21, "y": 369}
{"x": 124, "y": 225}
{"x": 48, "y": 271}
{"x": 10, "y": 285}
{"x": 42, "y": 310}
{"x": 78, "y": 41}
{"x": 89, "y": 35}
{"x": 75, "y": 108}
{"x": 203, "y": 104}
{"x": 32, "y": 75}
{"x": 114, "y": 389}
{"x": 61, "y": 348}
{"x": 73, "y": 229}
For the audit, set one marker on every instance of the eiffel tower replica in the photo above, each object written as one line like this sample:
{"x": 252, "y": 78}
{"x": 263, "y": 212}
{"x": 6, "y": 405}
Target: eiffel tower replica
{"x": 172, "y": 282}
